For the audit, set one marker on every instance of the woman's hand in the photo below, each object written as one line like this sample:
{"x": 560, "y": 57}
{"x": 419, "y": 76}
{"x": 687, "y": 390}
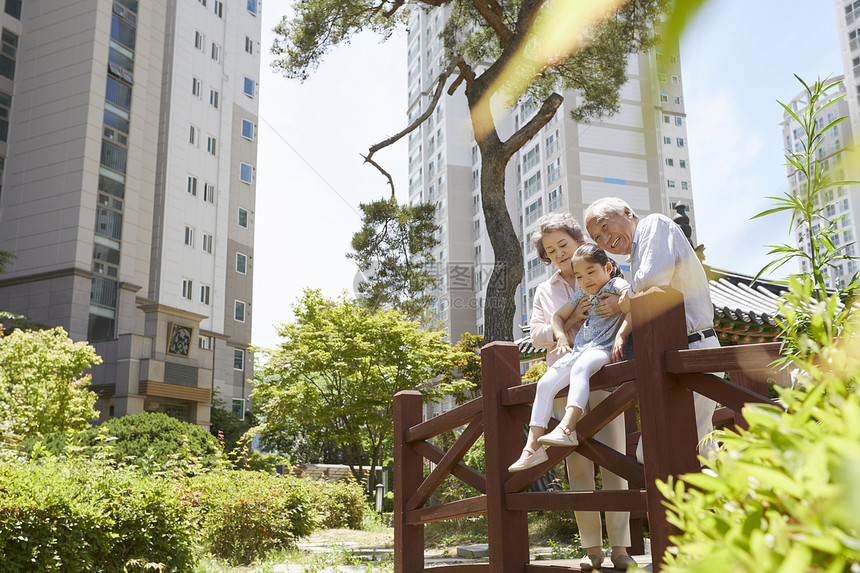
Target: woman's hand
{"x": 581, "y": 312}
{"x": 608, "y": 305}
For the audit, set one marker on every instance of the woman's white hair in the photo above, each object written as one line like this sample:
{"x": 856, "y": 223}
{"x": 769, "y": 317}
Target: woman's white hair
{"x": 606, "y": 205}
{"x": 555, "y": 222}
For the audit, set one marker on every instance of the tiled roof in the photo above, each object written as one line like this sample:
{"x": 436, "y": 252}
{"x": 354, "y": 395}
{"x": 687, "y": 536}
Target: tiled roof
{"x": 734, "y": 298}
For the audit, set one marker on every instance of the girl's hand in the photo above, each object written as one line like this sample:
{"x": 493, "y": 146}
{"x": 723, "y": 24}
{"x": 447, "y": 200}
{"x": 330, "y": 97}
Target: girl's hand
{"x": 617, "y": 349}
{"x": 608, "y": 305}
{"x": 562, "y": 346}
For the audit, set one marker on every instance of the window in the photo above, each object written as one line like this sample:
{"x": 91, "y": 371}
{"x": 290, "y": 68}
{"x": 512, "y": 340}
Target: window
{"x": 674, "y": 79}
{"x": 239, "y": 311}
{"x": 677, "y": 100}
{"x": 662, "y": 77}
{"x": 207, "y": 243}
{"x": 249, "y": 45}
{"x": 246, "y": 172}
{"x": 13, "y": 8}
{"x": 218, "y": 8}
{"x": 670, "y": 162}
{"x": 243, "y": 217}
{"x": 667, "y": 140}
{"x": 680, "y": 142}
{"x": 196, "y": 87}
{"x": 204, "y": 294}
{"x": 554, "y": 200}
{"x": 476, "y": 179}
{"x": 249, "y": 87}
{"x": 211, "y": 144}
{"x": 192, "y": 185}
{"x": 679, "y": 120}
{"x": 198, "y": 40}
{"x": 187, "y": 286}
{"x": 531, "y": 158}
{"x": 238, "y": 359}
{"x": 552, "y": 143}
{"x": 664, "y": 98}
{"x": 194, "y": 135}
{"x": 534, "y": 211}
{"x": 213, "y": 98}
{"x": 553, "y": 170}
{"x": 216, "y": 52}
{"x": 532, "y": 185}
{"x": 209, "y": 193}
{"x": 247, "y": 129}
{"x": 252, "y": 7}
{"x": 189, "y": 236}
{"x": 206, "y": 342}
{"x": 241, "y": 264}
{"x": 682, "y": 163}
{"x": 684, "y": 185}
{"x": 670, "y": 183}
{"x": 667, "y": 119}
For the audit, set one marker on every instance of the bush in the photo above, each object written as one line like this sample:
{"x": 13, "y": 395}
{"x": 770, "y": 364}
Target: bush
{"x": 339, "y": 504}
{"x": 243, "y": 514}
{"x": 154, "y": 442}
{"x": 84, "y": 516}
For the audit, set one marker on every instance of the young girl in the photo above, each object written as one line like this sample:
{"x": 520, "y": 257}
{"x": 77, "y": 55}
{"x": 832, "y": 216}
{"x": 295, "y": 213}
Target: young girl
{"x": 599, "y": 340}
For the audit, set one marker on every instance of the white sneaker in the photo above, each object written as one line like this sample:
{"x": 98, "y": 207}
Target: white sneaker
{"x": 529, "y": 459}
{"x": 560, "y": 436}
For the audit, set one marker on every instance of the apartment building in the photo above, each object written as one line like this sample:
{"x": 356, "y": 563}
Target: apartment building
{"x": 640, "y": 154}
{"x": 128, "y": 188}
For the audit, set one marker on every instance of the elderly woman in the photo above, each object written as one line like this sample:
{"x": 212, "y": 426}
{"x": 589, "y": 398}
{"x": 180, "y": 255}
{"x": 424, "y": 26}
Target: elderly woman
{"x": 556, "y": 237}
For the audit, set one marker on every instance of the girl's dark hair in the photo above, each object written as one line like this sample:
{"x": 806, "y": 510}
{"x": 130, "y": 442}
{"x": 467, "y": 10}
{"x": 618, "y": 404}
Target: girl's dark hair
{"x": 594, "y": 254}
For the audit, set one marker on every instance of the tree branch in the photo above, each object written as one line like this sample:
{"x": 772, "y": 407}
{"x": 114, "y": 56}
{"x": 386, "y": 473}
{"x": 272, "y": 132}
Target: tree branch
{"x": 527, "y": 131}
{"x": 492, "y": 12}
{"x": 440, "y": 87}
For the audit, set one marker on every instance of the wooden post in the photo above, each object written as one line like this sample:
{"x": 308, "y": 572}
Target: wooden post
{"x": 408, "y": 475}
{"x": 507, "y": 531}
{"x": 665, "y": 407}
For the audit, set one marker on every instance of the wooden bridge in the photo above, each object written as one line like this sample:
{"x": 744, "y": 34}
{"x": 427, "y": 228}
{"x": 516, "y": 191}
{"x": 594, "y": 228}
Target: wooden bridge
{"x": 661, "y": 379}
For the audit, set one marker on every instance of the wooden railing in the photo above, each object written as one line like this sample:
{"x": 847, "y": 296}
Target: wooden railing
{"x": 662, "y": 379}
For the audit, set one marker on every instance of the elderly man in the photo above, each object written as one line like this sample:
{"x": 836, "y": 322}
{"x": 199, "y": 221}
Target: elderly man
{"x": 660, "y": 255}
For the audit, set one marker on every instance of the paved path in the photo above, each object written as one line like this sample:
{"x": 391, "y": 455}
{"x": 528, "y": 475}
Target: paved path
{"x": 465, "y": 554}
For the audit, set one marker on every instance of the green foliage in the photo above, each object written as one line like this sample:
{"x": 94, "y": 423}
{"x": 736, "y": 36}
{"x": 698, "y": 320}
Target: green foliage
{"x": 155, "y": 443}
{"x": 5, "y": 258}
{"x": 814, "y": 178}
{"x": 243, "y": 515}
{"x": 467, "y": 367}
{"x": 337, "y": 371}
{"x": 534, "y": 372}
{"x": 393, "y": 249}
{"x": 43, "y": 387}
{"x": 782, "y": 496}
{"x": 85, "y": 516}
{"x": 338, "y": 504}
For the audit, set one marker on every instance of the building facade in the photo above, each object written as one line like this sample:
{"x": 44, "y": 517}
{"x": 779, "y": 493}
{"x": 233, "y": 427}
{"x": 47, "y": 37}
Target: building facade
{"x": 128, "y": 152}
{"x": 640, "y": 154}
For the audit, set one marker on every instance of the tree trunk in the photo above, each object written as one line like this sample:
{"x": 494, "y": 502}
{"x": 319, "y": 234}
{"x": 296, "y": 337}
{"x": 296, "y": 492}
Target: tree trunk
{"x": 500, "y": 301}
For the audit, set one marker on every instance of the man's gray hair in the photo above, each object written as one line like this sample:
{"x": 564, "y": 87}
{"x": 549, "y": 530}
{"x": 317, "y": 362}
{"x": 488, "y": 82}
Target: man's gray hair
{"x": 606, "y": 205}
{"x": 555, "y": 222}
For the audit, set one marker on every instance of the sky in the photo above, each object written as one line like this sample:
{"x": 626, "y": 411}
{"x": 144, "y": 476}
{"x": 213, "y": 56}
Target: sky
{"x": 738, "y": 58}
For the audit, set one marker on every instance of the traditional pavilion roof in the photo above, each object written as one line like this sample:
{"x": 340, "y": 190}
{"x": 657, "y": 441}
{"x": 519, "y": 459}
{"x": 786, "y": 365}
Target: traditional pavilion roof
{"x": 743, "y": 313}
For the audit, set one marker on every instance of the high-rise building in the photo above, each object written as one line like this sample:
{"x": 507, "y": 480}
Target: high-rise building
{"x": 840, "y": 200}
{"x": 640, "y": 154}
{"x": 128, "y": 187}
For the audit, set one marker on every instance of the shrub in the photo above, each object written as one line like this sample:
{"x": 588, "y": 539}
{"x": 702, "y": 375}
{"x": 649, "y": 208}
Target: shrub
{"x": 243, "y": 514}
{"x": 155, "y": 442}
{"x": 84, "y": 516}
{"x": 339, "y": 504}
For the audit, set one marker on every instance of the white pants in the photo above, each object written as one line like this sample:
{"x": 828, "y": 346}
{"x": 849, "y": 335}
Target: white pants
{"x": 576, "y": 376}
{"x": 581, "y": 474}
{"x": 703, "y": 406}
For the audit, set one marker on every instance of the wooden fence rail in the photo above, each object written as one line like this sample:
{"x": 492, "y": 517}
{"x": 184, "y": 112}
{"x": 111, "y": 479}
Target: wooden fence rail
{"x": 662, "y": 379}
